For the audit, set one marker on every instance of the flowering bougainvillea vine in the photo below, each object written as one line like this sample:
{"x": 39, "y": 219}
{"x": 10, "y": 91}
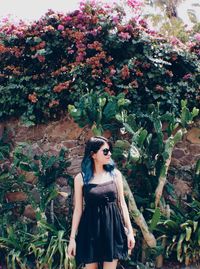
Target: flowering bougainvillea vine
{"x": 52, "y": 62}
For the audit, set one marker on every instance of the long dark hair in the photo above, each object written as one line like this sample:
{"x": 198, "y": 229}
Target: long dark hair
{"x": 87, "y": 165}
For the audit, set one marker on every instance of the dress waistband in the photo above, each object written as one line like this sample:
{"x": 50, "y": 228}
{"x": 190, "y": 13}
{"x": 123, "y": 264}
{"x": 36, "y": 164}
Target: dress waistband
{"x": 102, "y": 201}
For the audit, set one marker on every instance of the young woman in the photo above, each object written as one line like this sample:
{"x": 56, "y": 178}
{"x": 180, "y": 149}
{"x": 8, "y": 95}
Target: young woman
{"x": 98, "y": 234}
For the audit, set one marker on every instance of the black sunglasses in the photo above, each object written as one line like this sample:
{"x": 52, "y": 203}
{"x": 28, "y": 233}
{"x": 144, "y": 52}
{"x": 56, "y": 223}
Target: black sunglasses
{"x": 105, "y": 151}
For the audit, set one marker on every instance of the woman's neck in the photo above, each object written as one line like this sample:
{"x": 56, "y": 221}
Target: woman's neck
{"x": 98, "y": 170}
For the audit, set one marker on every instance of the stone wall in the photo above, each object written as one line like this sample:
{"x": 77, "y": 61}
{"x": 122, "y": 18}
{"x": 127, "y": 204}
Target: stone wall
{"x": 50, "y": 138}
{"x": 184, "y": 158}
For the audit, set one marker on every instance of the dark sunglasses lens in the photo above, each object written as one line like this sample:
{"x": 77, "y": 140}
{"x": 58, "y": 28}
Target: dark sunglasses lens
{"x": 105, "y": 151}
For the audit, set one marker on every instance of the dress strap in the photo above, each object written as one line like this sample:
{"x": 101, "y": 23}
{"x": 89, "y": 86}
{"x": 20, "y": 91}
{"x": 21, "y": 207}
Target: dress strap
{"x": 113, "y": 173}
{"x": 83, "y": 177}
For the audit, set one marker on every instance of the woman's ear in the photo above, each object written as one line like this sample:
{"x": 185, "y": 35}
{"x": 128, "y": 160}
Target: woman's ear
{"x": 92, "y": 154}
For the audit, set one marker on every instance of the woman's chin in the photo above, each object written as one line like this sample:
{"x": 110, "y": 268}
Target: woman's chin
{"x": 107, "y": 161}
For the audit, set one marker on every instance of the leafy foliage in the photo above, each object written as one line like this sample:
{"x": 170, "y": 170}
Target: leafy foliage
{"x": 183, "y": 233}
{"x": 40, "y": 241}
{"x": 51, "y": 63}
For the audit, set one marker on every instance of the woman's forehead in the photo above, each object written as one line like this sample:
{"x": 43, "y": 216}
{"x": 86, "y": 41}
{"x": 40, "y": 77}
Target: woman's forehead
{"x": 105, "y": 145}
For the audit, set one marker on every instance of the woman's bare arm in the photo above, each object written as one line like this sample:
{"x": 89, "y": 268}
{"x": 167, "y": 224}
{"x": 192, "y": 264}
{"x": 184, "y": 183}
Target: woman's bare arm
{"x": 78, "y": 204}
{"x": 123, "y": 202}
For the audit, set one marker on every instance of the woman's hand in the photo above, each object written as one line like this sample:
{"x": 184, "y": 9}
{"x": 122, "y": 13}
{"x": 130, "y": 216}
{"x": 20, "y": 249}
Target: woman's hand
{"x": 71, "y": 248}
{"x": 131, "y": 241}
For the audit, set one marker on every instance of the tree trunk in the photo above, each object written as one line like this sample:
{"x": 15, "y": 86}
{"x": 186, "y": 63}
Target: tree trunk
{"x": 162, "y": 181}
{"x": 138, "y": 217}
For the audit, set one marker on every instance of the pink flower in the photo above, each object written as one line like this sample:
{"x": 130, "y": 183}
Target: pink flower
{"x": 134, "y": 3}
{"x": 124, "y": 36}
{"x": 175, "y": 41}
{"x": 197, "y": 37}
{"x": 5, "y": 20}
{"x": 143, "y": 22}
{"x": 112, "y": 71}
{"x": 68, "y": 18}
{"x": 70, "y": 51}
{"x": 94, "y": 32}
{"x": 115, "y": 19}
{"x": 159, "y": 88}
{"x": 187, "y": 76}
{"x": 81, "y": 46}
{"x": 80, "y": 57}
{"x": 129, "y": 27}
{"x": 60, "y": 27}
{"x": 80, "y": 16}
{"x": 20, "y": 34}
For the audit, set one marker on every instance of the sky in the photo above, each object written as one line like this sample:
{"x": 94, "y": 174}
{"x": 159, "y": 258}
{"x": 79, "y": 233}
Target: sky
{"x": 33, "y": 9}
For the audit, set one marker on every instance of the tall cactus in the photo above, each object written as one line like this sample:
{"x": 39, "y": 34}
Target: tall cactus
{"x": 132, "y": 155}
{"x": 169, "y": 146}
{"x": 186, "y": 118}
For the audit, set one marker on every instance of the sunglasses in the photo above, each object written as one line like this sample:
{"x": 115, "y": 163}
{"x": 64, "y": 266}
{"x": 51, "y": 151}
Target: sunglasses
{"x": 105, "y": 151}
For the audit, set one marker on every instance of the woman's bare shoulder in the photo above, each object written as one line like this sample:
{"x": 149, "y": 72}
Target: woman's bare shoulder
{"x": 117, "y": 172}
{"x": 79, "y": 178}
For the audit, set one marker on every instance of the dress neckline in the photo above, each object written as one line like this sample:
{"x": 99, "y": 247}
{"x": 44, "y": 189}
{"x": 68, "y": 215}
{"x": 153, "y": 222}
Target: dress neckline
{"x": 101, "y": 184}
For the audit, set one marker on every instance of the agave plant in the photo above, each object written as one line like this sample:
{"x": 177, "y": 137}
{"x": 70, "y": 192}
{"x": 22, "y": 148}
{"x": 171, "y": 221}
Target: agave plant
{"x": 182, "y": 231}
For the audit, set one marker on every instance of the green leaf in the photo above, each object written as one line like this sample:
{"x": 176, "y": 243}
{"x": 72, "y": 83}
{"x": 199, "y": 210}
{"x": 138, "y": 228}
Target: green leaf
{"x": 195, "y": 225}
{"x": 71, "y": 108}
{"x": 198, "y": 235}
{"x": 41, "y": 52}
{"x": 132, "y": 122}
{"x": 128, "y": 128}
{"x": 134, "y": 154}
{"x": 183, "y": 103}
{"x": 149, "y": 137}
{"x": 188, "y": 233}
{"x": 25, "y": 166}
{"x": 155, "y": 219}
{"x": 50, "y": 162}
{"x": 4, "y": 176}
{"x": 158, "y": 125}
{"x": 171, "y": 224}
{"x": 185, "y": 116}
{"x": 119, "y": 117}
{"x": 1, "y": 156}
{"x": 101, "y": 101}
{"x": 37, "y": 39}
{"x": 26, "y": 122}
{"x": 178, "y": 136}
{"x": 195, "y": 112}
{"x": 97, "y": 130}
{"x": 142, "y": 137}
{"x": 122, "y": 144}
{"x": 179, "y": 248}
{"x": 110, "y": 110}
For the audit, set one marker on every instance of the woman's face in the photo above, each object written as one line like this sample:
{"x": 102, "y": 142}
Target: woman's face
{"x": 103, "y": 154}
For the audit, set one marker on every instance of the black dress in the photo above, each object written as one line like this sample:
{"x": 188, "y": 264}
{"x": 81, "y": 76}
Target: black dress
{"x": 101, "y": 235}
